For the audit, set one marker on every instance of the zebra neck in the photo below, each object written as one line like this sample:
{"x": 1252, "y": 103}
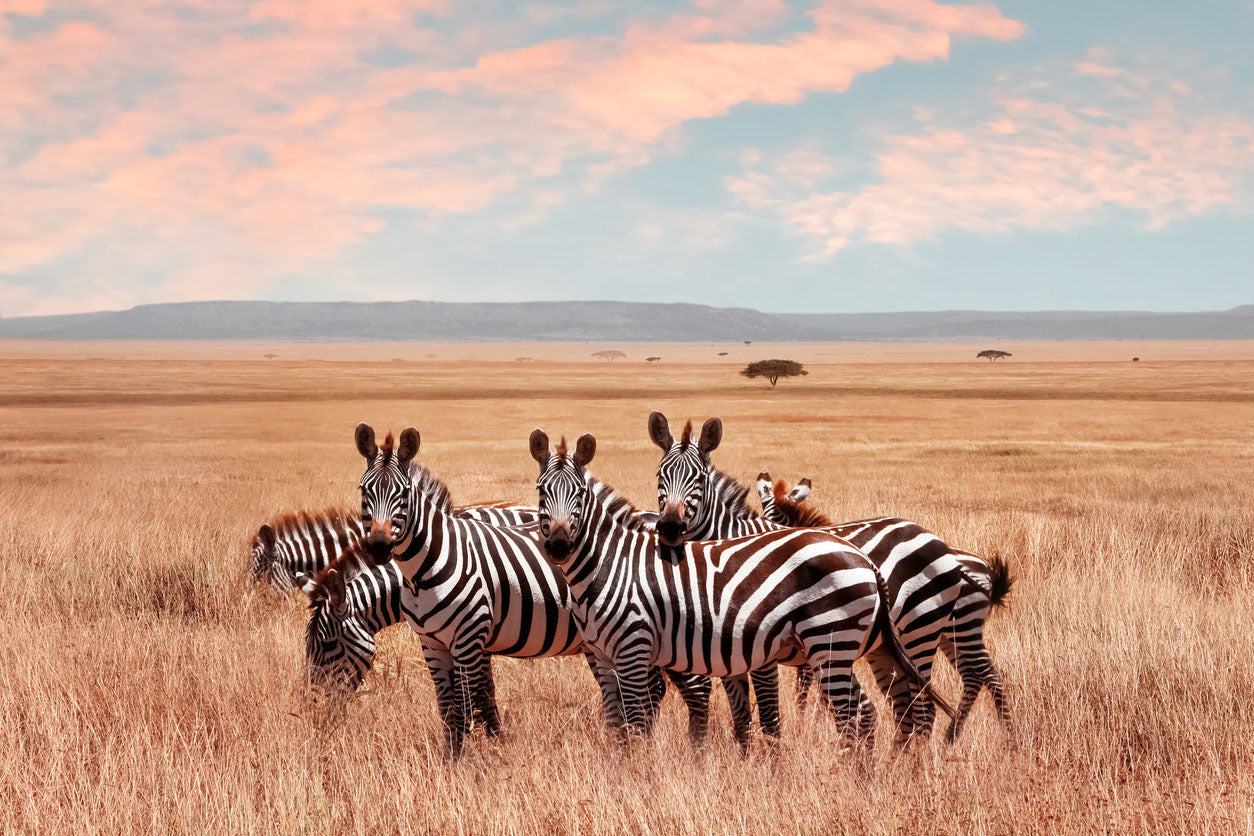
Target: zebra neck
{"x": 603, "y": 537}
{"x": 425, "y": 546}
{"x": 380, "y": 606}
{"x": 726, "y": 514}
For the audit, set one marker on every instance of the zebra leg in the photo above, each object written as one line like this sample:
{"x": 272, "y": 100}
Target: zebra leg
{"x": 853, "y": 712}
{"x": 473, "y": 680}
{"x": 444, "y": 675}
{"x": 611, "y": 699}
{"x": 805, "y": 679}
{"x": 695, "y": 690}
{"x": 486, "y": 711}
{"x": 766, "y": 692}
{"x": 737, "y": 688}
{"x": 975, "y": 668}
{"x": 901, "y": 695}
{"x": 632, "y": 674}
{"x": 657, "y": 692}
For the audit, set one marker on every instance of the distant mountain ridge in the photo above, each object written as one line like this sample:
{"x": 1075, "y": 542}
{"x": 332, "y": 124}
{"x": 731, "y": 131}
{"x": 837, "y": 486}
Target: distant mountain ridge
{"x": 606, "y": 321}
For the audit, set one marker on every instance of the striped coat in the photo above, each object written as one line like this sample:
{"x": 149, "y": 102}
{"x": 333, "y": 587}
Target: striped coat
{"x": 290, "y": 549}
{"x": 478, "y": 589}
{"x": 697, "y": 502}
{"x": 721, "y": 608}
{"x": 986, "y": 584}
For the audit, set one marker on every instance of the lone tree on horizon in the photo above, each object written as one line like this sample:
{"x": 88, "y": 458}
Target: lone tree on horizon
{"x": 610, "y": 354}
{"x": 652, "y": 359}
{"x": 773, "y": 370}
{"x": 994, "y": 354}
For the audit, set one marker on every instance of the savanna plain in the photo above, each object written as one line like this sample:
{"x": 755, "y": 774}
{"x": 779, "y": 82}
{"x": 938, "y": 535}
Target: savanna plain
{"x": 146, "y": 685}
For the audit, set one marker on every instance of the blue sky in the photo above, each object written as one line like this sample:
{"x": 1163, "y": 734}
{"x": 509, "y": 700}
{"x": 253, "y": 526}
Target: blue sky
{"x": 843, "y": 156}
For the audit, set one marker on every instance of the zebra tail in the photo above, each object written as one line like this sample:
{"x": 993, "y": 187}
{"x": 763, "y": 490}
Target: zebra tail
{"x": 884, "y": 623}
{"x": 1001, "y": 579}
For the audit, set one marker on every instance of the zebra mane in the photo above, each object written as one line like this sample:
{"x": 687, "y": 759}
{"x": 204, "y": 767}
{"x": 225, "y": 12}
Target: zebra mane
{"x": 300, "y": 522}
{"x": 350, "y": 563}
{"x": 618, "y": 507}
{"x": 797, "y": 514}
{"x": 431, "y": 486}
{"x": 732, "y": 495}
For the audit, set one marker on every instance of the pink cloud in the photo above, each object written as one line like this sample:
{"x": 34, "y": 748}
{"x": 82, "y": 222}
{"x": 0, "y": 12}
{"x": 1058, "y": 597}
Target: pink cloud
{"x": 1041, "y": 164}
{"x": 263, "y": 155}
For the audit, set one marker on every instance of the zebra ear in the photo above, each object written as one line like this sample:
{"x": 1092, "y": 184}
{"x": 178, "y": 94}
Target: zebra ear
{"x": 410, "y": 441}
{"x": 764, "y": 485}
{"x": 266, "y": 535}
{"x": 800, "y": 492}
{"x": 304, "y": 583}
{"x": 585, "y": 449}
{"x": 540, "y": 447}
{"x": 711, "y": 435}
{"x": 660, "y": 431}
{"x": 364, "y": 436}
{"x": 333, "y": 583}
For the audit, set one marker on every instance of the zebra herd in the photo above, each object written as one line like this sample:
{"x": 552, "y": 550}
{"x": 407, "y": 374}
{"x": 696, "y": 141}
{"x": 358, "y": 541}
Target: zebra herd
{"x": 706, "y": 587}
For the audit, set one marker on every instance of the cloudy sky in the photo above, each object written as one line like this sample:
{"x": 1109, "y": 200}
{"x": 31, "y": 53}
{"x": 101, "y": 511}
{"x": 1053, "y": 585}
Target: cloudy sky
{"x": 850, "y": 155}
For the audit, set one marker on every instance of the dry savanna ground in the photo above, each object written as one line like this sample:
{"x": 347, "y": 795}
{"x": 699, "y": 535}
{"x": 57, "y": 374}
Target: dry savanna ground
{"x": 145, "y": 685}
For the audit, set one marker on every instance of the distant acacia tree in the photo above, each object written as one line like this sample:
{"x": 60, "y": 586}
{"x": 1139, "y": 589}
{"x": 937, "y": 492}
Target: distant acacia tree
{"x": 994, "y": 354}
{"x": 522, "y": 359}
{"x": 722, "y": 354}
{"x": 748, "y": 342}
{"x": 272, "y": 356}
{"x": 1136, "y": 359}
{"x": 773, "y": 370}
{"x": 610, "y": 354}
{"x": 652, "y": 359}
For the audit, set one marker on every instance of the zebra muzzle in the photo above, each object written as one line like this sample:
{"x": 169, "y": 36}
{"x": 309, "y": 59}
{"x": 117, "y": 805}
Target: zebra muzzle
{"x": 671, "y": 528}
{"x": 378, "y": 546}
{"x": 559, "y": 543}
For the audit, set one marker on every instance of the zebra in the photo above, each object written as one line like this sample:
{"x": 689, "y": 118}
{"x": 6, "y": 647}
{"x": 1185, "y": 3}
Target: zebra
{"x": 698, "y": 502}
{"x": 291, "y": 548}
{"x": 476, "y": 589}
{"x": 301, "y": 542}
{"x": 963, "y": 641}
{"x": 722, "y": 608}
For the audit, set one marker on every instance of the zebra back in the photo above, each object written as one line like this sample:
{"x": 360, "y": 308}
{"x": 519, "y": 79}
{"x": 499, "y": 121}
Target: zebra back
{"x": 291, "y": 549}
{"x": 302, "y": 542}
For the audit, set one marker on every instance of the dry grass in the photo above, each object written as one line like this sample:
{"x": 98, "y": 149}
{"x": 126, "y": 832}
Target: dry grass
{"x": 146, "y": 686}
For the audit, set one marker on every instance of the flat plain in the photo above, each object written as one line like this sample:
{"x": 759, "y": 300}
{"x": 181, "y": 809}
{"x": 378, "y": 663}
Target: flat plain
{"x": 146, "y": 685}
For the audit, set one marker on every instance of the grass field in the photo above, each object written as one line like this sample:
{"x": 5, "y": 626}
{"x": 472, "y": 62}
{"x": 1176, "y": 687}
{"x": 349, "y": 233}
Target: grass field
{"x": 146, "y": 686}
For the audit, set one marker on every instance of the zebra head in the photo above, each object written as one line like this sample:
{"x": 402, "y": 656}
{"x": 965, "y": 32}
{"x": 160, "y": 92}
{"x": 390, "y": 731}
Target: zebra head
{"x": 563, "y": 489}
{"x": 779, "y": 505}
{"x": 339, "y": 649}
{"x": 265, "y": 555}
{"x": 683, "y": 477}
{"x": 386, "y": 489}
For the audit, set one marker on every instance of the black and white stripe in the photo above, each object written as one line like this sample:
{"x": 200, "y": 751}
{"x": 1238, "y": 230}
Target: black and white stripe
{"x": 722, "y": 608}
{"x": 986, "y": 584}
{"x": 697, "y": 502}
{"x": 340, "y": 638}
{"x": 291, "y": 548}
{"x": 477, "y": 589}
{"x": 303, "y": 542}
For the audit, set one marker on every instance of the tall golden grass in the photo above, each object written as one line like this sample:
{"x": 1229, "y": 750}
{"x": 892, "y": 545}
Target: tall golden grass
{"x": 147, "y": 686}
